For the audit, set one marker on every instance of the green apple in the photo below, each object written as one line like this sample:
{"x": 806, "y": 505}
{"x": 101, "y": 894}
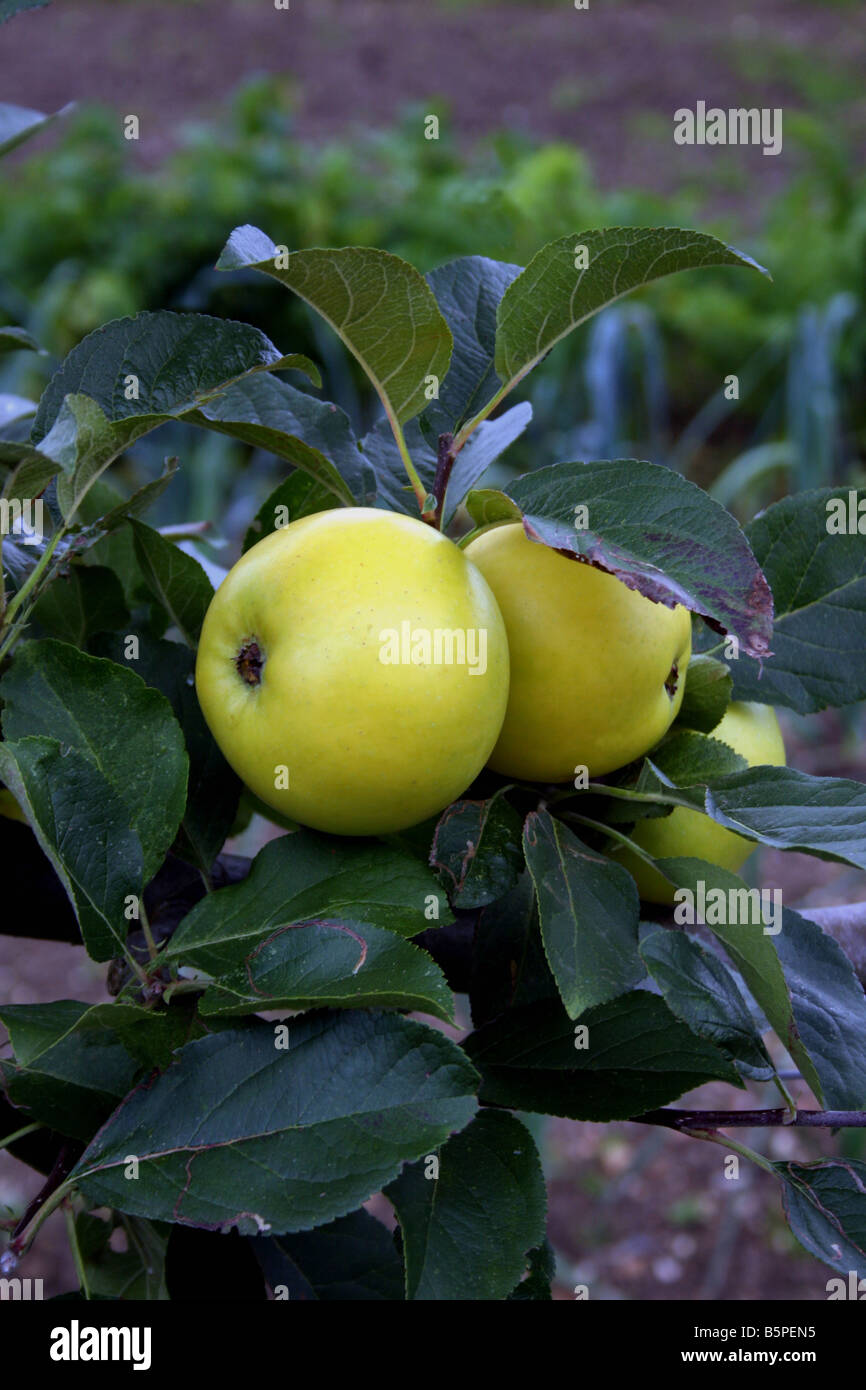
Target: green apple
{"x": 753, "y": 732}
{"x": 353, "y": 668}
{"x": 597, "y": 670}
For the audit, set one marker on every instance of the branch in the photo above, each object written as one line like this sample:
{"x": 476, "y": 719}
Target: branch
{"x": 846, "y": 923}
{"x": 752, "y": 1119}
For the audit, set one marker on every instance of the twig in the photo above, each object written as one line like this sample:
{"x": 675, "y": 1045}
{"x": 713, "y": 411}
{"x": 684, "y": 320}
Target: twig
{"x": 444, "y": 463}
{"x": 47, "y": 1198}
{"x": 746, "y": 1119}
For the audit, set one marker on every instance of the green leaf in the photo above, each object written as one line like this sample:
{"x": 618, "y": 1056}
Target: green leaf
{"x": 490, "y": 440}
{"x": 334, "y": 964}
{"x": 380, "y": 307}
{"x": 136, "y": 1273}
{"x": 67, "y": 1079}
{"x": 81, "y": 824}
{"x": 83, "y": 601}
{"x": 589, "y": 910}
{"x": 638, "y": 1056}
{"x": 212, "y": 787}
{"x": 829, "y": 1009}
{"x": 779, "y": 806}
{"x": 686, "y": 757}
{"x": 148, "y": 1036}
{"x": 818, "y": 580}
{"x": 706, "y": 696}
{"x": 352, "y": 1258}
{"x": 825, "y": 1204}
{"x": 314, "y": 435}
{"x": 700, "y": 989}
{"x": 752, "y": 951}
{"x": 468, "y": 292}
{"x": 178, "y": 361}
{"x": 240, "y": 1132}
{"x": 658, "y": 533}
{"x": 108, "y": 715}
{"x": 176, "y": 580}
{"x": 16, "y": 339}
{"x": 297, "y": 496}
{"x": 509, "y": 968}
{"x": 19, "y": 123}
{"x": 477, "y": 850}
{"x": 132, "y": 375}
{"x": 487, "y": 506}
{"x": 132, "y": 506}
{"x": 303, "y": 877}
{"x": 466, "y": 1231}
{"x": 553, "y": 295}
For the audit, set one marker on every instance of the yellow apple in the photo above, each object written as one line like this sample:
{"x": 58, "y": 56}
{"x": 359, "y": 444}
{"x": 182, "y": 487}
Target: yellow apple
{"x": 597, "y": 670}
{"x": 753, "y": 732}
{"x": 9, "y": 806}
{"x": 353, "y": 668}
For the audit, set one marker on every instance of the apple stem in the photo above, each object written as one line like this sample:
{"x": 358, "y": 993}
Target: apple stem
{"x": 444, "y": 464}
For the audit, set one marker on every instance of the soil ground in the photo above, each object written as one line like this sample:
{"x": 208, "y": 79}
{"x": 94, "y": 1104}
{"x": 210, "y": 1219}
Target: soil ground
{"x": 607, "y": 79}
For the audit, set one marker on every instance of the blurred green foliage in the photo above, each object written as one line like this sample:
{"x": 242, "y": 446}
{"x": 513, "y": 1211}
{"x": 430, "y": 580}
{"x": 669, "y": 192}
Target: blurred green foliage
{"x": 87, "y": 234}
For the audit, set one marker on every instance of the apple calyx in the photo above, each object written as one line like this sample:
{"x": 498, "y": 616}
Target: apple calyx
{"x": 250, "y": 662}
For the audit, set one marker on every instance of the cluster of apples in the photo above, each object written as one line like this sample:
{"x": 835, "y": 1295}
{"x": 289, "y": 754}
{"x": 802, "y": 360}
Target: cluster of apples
{"x": 507, "y": 654}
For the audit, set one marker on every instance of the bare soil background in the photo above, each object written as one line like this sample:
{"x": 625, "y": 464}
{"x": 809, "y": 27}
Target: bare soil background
{"x": 607, "y": 79}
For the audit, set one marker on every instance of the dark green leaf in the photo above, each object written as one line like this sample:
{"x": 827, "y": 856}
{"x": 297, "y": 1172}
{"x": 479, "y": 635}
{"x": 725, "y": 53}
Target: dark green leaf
{"x": 68, "y": 1079}
{"x": 707, "y": 694}
{"x": 468, "y": 1222}
{"x": 477, "y": 850}
{"x": 829, "y": 1009}
{"x": 136, "y": 1273}
{"x": 304, "y": 877}
{"x": 701, "y": 990}
{"x": 108, "y": 715}
{"x": 825, "y": 1203}
{"x": 555, "y": 292}
{"x": 637, "y": 1056}
{"x": 16, "y": 339}
{"x": 212, "y": 787}
{"x": 352, "y": 1258}
{"x": 314, "y": 435}
{"x": 176, "y": 580}
{"x": 658, "y": 533}
{"x": 509, "y": 967}
{"x": 818, "y": 578}
{"x": 589, "y": 910}
{"x": 380, "y": 306}
{"x": 541, "y": 1269}
{"x": 334, "y": 964}
{"x": 824, "y": 816}
{"x": 297, "y": 496}
{"x": 81, "y": 824}
{"x": 80, "y": 603}
{"x": 240, "y": 1132}
{"x": 468, "y": 292}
